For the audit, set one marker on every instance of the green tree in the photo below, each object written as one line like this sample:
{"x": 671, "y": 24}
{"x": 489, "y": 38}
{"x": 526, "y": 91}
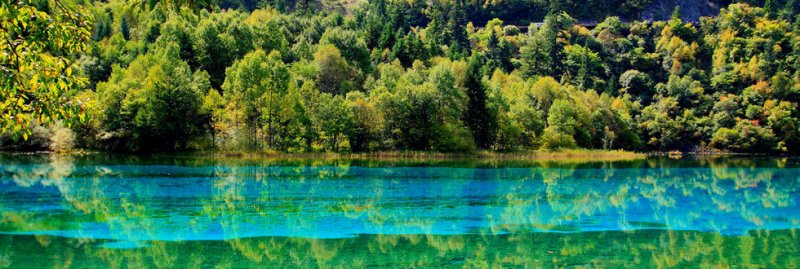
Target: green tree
{"x": 612, "y": 125}
{"x": 582, "y": 66}
{"x": 266, "y": 33}
{"x": 181, "y": 32}
{"x": 154, "y": 104}
{"x": 541, "y": 53}
{"x": 782, "y": 119}
{"x": 659, "y": 124}
{"x": 684, "y": 89}
{"x": 545, "y": 91}
{"x": 745, "y": 136}
{"x": 367, "y": 122}
{"x": 498, "y": 54}
{"x": 424, "y": 112}
{"x": 210, "y": 52}
{"x": 351, "y": 47}
{"x": 334, "y": 73}
{"x": 638, "y": 84}
{"x": 255, "y": 84}
{"x": 447, "y": 27}
{"x": 562, "y": 121}
{"x": 334, "y": 119}
{"x": 520, "y": 122}
{"x": 409, "y": 48}
{"x": 292, "y": 122}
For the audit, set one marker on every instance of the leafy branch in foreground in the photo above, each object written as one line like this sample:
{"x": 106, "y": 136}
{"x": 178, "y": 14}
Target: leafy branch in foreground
{"x": 38, "y": 81}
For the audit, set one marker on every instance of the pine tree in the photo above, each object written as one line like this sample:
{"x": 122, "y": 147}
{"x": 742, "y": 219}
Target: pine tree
{"x": 457, "y": 25}
{"x": 438, "y": 21}
{"x": 125, "y": 29}
{"x": 101, "y": 30}
{"x": 498, "y": 54}
{"x": 374, "y": 23}
{"x": 478, "y": 117}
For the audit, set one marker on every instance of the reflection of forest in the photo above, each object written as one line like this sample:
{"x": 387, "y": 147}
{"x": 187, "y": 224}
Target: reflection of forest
{"x": 239, "y": 195}
{"x": 640, "y": 249}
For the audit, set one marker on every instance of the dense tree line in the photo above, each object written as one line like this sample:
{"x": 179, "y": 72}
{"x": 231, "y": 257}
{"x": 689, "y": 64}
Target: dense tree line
{"x": 512, "y": 11}
{"x": 397, "y": 75}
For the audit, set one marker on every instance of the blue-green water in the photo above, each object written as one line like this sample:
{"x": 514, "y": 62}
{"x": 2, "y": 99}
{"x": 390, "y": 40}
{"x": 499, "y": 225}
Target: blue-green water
{"x": 178, "y": 212}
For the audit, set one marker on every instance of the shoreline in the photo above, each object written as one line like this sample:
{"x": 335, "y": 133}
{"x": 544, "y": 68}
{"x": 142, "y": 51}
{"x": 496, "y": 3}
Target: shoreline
{"x": 573, "y": 154}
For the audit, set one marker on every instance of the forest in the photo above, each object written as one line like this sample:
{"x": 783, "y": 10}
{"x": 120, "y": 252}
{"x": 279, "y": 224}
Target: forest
{"x": 386, "y": 75}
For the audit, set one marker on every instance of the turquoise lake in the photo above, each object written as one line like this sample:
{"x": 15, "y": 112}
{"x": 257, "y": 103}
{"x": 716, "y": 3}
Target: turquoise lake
{"x": 99, "y": 211}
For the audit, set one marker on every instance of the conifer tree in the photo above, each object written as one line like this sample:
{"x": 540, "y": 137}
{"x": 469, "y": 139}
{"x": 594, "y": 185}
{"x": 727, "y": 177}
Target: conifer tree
{"x": 477, "y": 116}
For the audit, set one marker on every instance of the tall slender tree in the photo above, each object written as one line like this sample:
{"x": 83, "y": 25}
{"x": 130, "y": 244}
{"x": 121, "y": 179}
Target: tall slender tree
{"x": 478, "y": 117}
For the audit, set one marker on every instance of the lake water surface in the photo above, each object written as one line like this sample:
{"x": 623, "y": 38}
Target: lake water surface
{"x": 103, "y": 211}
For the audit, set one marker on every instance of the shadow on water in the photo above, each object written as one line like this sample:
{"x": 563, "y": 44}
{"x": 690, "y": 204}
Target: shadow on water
{"x": 183, "y": 211}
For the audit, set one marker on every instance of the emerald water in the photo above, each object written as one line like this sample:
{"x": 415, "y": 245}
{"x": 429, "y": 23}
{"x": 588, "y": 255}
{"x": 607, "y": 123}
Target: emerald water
{"x": 177, "y": 211}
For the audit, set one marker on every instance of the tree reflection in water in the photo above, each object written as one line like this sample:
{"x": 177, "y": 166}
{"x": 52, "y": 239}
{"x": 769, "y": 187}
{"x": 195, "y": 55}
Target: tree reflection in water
{"x": 93, "y": 211}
